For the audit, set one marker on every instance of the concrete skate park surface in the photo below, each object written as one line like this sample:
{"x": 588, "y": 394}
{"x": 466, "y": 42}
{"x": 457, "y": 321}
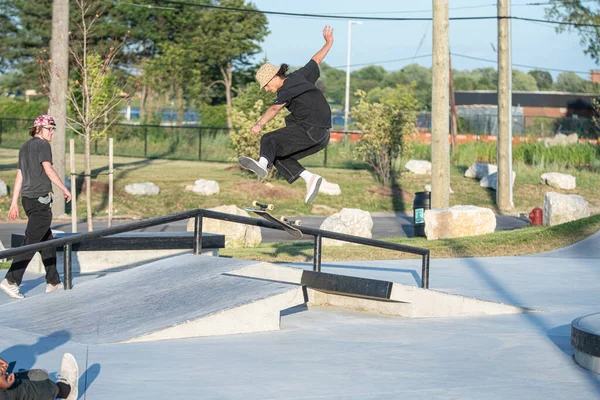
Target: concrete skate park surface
{"x": 335, "y": 353}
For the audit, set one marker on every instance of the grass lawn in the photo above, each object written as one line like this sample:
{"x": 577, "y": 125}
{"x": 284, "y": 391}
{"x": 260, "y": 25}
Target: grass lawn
{"x": 529, "y": 240}
{"x": 359, "y": 189}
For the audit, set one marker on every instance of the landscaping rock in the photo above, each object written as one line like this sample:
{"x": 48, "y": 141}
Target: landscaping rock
{"x": 458, "y": 221}
{"x": 428, "y": 189}
{"x": 559, "y": 181}
{"x": 561, "y": 139}
{"x": 350, "y": 221}
{"x": 143, "y": 189}
{"x": 3, "y": 188}
{"x": 204, "y": 187}
{"x": 480, "y": 170}
{"x": 332, "y": 189}
{"x": 560, "y": 208}
{"x": 2, "y": 248}
{"x": 419, "y": 167}
{"x": 491, "y": 181}
{"x": 236, "y": 235}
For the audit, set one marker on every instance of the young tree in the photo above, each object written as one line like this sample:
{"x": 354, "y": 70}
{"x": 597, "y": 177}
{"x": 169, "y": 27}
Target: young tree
{"x": 95, "y": 93}
{"x": 384, "y": 125}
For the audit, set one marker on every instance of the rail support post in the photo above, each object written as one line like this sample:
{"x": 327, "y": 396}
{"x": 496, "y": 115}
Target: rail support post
{"x": 425, "y": 271}
{"x": 68, "y": 252}
{"x": 317, "y": 253}
{"x": 198, "y": 234}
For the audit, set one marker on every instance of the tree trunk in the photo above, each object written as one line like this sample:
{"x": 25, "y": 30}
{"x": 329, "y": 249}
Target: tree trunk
{"x": 180, "y": 108}
{"x": 59, "y": 76}
{"x": 228, "y": 81}
{"x": 88, "y": 180}
{"x": 143, "y": 104}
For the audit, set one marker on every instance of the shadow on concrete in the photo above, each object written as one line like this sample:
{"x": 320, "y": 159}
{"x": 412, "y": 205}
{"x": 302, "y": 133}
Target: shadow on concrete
{"x": 536, "y": 320}
{"x": 561, "y": 336}
{"x": 26, "y": 355}
{"x": 87, "y": 378}
{"x": 414, "y": 273}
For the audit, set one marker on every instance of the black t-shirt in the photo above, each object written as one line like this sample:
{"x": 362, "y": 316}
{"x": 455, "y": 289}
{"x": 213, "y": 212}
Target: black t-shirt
{"x": 31, "y": 155}
{"x": 304, "y": 100}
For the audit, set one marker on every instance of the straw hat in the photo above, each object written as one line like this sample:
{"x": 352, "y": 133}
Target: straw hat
{"x": 265, "y": 73}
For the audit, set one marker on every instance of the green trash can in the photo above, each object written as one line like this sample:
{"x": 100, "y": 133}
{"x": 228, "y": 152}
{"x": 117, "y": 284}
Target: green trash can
{"x": 421, "y": 203}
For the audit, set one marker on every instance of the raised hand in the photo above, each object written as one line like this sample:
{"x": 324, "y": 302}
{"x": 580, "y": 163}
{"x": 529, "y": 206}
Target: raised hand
{"x": 328, "y": 34}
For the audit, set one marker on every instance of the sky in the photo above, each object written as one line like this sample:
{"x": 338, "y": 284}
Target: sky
{"x": 294, "y": 40}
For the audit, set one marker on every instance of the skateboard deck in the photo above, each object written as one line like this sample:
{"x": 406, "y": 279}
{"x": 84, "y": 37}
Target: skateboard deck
{"x": 266, "y": 215}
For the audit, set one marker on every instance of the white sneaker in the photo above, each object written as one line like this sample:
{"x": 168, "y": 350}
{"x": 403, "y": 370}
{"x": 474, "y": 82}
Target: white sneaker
{"x": 51, "y": 288}
{"x": 69, "y": 374}
{"x": 312, "y": 188}
{"x": 252, "y": 165}
{"x": 11, "y": 289}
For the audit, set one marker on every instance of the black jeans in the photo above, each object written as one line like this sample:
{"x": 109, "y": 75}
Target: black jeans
{"x": 34, "y": 384}
{"x": 284, "y": 147}
{"x": 38, "y": 230}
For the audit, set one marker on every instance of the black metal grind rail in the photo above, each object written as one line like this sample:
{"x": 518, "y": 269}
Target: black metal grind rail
{"x": 199, "y": 214}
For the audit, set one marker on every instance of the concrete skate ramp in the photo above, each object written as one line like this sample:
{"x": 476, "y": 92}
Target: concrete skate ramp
{"x": 184, "y": 296}
{"x": 587, "y": 248}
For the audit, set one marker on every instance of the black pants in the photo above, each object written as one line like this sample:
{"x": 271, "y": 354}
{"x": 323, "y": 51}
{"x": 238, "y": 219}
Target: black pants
{"x": 34, "y": 384}
{"x": 38, "y": 230}
{"x": 284, "y": 147}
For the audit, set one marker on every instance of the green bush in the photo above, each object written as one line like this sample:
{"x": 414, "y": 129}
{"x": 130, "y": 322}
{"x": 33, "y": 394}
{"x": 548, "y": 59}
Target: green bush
{"x": 385, "y": 125}
{"x": 17, "y": 108}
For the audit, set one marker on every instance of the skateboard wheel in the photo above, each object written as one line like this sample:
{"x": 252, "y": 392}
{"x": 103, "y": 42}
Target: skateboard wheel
{"x": 298, "y": 222}
{"x": 270, "y": 207}
{"x": 255, "y": 203}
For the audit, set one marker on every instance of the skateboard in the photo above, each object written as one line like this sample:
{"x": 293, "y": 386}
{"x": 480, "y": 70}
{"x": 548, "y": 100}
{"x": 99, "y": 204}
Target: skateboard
{"x": 288, "y": 224}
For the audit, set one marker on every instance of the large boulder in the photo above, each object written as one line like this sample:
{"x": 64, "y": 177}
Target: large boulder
{"x": 491, "y": 180}
{"x": 560, "y": 208}
{"x": 204, "y": 187}
{"x": 419, "y": 167}
{"x": 332, "y": 189}
{"x": 3, "y": 188}
{"x": 559, "y": 181}
{"x": 458, "y": 221}
{"x": 350, "y": 221}
{"x": 236, "y": 235}
{"x": 479, "y": 170}
{"x": 142, "y": 189}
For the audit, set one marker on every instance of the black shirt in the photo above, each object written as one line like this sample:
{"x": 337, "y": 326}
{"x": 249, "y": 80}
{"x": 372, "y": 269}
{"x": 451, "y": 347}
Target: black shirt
{"x": 31, "y": 155}
{"x": 304, "y": 100}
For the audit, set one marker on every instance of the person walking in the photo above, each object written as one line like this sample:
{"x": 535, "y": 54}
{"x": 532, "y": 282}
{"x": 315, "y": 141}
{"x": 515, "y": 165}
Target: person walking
{"x": 35, "y": 176}
{"x": 307, "y": 126}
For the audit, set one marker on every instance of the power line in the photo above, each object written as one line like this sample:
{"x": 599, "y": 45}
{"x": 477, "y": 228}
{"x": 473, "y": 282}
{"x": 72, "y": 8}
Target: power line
{"x": 365, "y": 18}
{"x": 385, "y": 61}
{"x": 520, "y": 65}
{"x": 463, "y": 56}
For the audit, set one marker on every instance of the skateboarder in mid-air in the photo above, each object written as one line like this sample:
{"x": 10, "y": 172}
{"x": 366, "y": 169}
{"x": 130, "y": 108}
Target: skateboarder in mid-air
{"x": 306, "y": 128}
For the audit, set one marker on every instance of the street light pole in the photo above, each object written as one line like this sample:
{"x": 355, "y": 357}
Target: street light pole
{"x": 347, "y": 102}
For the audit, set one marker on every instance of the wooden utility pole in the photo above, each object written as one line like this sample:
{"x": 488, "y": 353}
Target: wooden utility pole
{"x": 504, "y": 199}
{"x": 59, "y": 80}
{"x": 453, "y": 112}
{"x": 440, "y": 148}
